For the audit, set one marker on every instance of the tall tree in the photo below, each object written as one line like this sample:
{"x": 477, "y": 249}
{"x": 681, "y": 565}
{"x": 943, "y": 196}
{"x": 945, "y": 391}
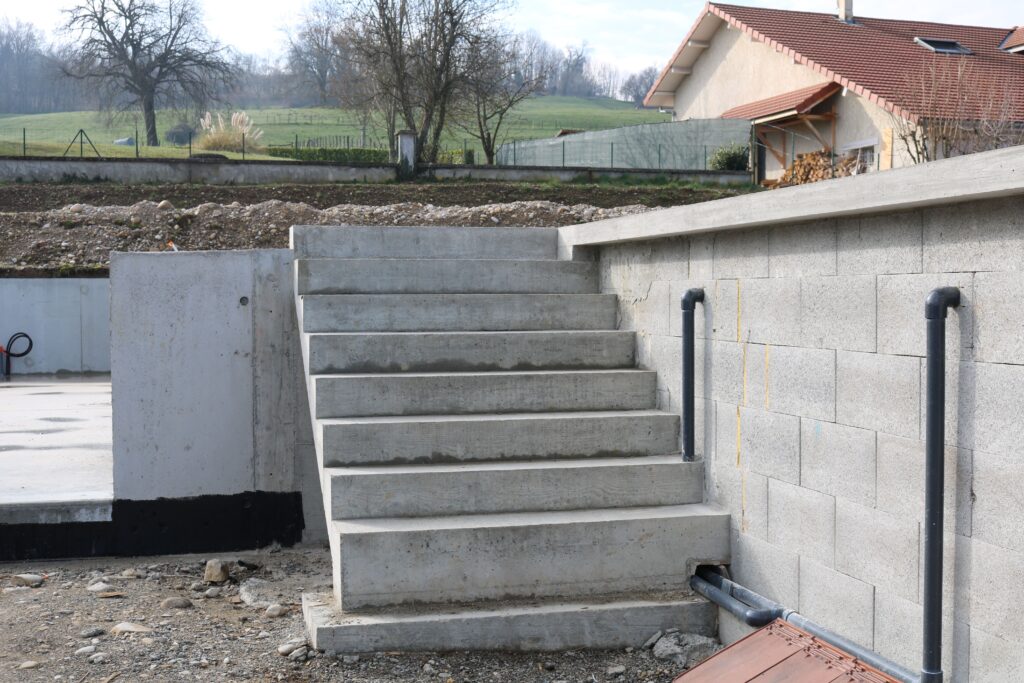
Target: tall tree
{"x": 314, "y": 52}
{"x": 145, "y": 53}
{"x": 636, "y": 87}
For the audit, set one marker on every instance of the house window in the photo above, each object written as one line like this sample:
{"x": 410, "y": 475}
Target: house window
{"x": 862, "y": 156}
{"x": 943, "y": 46}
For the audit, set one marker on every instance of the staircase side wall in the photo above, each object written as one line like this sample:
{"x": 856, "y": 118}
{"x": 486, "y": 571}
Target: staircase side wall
{"x": 810, "y": 411}
{"x": 208, "y": 389}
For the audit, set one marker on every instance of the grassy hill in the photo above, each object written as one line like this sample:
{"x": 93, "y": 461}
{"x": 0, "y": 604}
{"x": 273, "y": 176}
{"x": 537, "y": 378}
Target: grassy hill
{"x": 49, "y": 134}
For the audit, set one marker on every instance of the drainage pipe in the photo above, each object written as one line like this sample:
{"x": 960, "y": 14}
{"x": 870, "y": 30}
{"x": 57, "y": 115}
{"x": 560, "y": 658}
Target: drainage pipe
{"x": 935, "y": 307}
{"x": 689, "y": 304}
{"x": 756, "y": 610}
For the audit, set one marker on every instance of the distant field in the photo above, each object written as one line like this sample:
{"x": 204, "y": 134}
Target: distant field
{"x": 49, "y": 134}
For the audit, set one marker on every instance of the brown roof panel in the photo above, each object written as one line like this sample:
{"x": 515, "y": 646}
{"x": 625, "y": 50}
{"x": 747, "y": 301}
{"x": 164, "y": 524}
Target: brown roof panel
{"x": 798, "y": 101}
{"x": 1015, "y": 39}
{"x": 782, "y": 653}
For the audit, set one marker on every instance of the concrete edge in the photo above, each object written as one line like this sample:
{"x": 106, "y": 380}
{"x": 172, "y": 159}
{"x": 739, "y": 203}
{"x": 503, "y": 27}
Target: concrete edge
{"x": 998, "y": 173}
{"x": 57, "y": 512}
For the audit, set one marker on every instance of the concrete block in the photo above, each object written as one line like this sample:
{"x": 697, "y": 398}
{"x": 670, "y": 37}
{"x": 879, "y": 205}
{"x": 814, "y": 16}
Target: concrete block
{"x": 538, "y": 485}
{"x": 741, "y": 254}
{"x": 767, "y": 569}
{"x": 663, "y": 355}
{"x": 898, "y": 635}
{"x": 534, "y": 627}
{"x": 351, "y": 241}
{"x": 995, "y": 660}
{"x": 800, "y": 381}
{"x": 743, "y": 493}
{"x": 901, "y": 323}
{"x": 468, "y": 312}
{"x": 702, "y": 257}
{"x": 838, "y": 312}
{"x": 878, "y": 392}
{"x": 767, "y": 443}
{"x": 528, "y": 554}
{"x": 900, "y": 482}
{"x": 838, "y": 460}
{"x": 670, "y": 260}
{"x": 974, "y": 236}
{"x": 878, "y": 548}
{"x": 802, "y": 250}
{"x": 837, "y": 602}
{"x": 715, "y": 318}
{"x": 802, "y": 520}
{"x": 719, "y": 371}
{"x": 443, "y": 276}
{"x": 469, "y": 438}
{"x": 769, "y": 311}
{"x": 645, "y": 310}
{"x": 880, "y": 244}
{"x": 996, "y": 590}
{"x": 995, "y": 487}
{"x": 990, "y": 407}
{"x": 493, "y": 392}
{"x": 465, "y": 351}
{"x": 998, "y": 308}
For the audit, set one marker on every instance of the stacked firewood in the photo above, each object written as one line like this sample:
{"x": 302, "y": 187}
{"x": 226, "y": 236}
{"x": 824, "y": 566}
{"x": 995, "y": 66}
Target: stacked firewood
{"x": 814, "y": 166}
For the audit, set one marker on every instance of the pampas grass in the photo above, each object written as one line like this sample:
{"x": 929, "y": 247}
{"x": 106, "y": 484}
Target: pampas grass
{"x": 227, "y": 137}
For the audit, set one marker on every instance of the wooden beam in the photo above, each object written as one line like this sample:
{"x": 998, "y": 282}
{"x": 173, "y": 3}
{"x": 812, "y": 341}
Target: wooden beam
{"x": 681, "y": 70}
{"x": 814, "y": 132}
{"x": 702, "y": 44}
{"x": 781, "y": 158}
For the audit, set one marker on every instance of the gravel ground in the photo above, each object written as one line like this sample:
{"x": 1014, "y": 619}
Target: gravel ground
{"x": 66, "y": 629}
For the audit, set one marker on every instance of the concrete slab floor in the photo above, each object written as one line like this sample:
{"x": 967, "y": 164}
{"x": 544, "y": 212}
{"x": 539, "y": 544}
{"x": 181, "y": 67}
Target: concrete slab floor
{"x": 56, "y": 450}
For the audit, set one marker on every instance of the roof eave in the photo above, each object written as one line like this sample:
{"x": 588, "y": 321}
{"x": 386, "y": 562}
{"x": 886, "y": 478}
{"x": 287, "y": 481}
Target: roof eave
{"x": 684, "y": 49}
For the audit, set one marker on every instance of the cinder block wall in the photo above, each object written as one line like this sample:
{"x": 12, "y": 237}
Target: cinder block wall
{"x": 810, "y": 364}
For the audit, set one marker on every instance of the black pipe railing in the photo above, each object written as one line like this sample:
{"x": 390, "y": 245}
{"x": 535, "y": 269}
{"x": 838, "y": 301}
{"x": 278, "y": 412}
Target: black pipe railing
{"x": 939, "y": 301}
{"x": 689, "y": 303}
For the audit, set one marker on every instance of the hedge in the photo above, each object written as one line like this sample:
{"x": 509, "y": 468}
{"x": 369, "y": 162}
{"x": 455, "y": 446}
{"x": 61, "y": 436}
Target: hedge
{"x": 355, "y": 155}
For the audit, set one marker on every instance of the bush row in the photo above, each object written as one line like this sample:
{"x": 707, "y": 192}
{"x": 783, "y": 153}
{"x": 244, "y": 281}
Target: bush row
{"x": 353, "y": 155}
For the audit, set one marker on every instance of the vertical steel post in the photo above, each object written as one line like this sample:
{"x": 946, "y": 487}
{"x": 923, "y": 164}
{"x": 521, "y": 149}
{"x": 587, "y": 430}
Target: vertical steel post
{"x": 24, "y": 142}
{"x": 243, "y": 146}
{"x": 934, "y": 438}
{"x": 689, "y": 304}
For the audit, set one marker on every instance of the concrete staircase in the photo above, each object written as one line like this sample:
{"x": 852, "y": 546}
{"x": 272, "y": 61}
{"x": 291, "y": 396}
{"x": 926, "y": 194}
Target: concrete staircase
{"x": 494, "y": 469}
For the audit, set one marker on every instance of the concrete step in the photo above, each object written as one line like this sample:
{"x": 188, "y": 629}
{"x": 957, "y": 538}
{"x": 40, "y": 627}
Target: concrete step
{"x": 454, "y": 312}
{"x": 395, "y": 561}
{"x": 443, "y": 276}
{"x": 465, "y": 351}
{"x": 539, "y": 485}
{"x": 489, "y": 437}
{"x": 319, "y": 241}
{"x": 483, "y": 392}
{"x": 550, "y": 625}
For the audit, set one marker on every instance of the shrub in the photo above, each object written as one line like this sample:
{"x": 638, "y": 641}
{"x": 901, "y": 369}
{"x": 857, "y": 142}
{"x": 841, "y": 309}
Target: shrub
{"x": 354, "y": 155}
{"x": 180, "y": 134}
{"x": 228, "y": 137}
{"x": 730, "y": 158}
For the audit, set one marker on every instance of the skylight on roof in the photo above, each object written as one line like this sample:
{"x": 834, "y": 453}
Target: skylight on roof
{"x": 943, "y": 46}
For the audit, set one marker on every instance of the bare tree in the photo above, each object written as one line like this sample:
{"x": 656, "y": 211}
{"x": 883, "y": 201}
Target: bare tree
{"x": 635, "y": 87}
{"x": 415, "y": 51}
{"x": 145, "y": 53}
{"x": 955, "y": 113}
{"x": 314, "y": 53}
{"x": 499, "y": 75}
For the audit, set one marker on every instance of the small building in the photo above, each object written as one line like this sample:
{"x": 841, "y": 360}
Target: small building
{"x": 873, "y": 93}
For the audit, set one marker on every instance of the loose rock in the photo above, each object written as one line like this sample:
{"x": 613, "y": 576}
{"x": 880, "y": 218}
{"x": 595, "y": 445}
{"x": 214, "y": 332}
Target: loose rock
{"x": 288, "y": 648}
{"x": 128, "y": 627}
{"x": 165, "y": 206}
{"x": 685, "y": 649}
{"x": 176, "y": 603}
{"x": 212, "y": 593}
{"x": 87, "y": 650}
{"x": 216, "y": 572}
{"x": 617, "y": 670}
{"x": 91, "y": 632}
{"x": 275, "y": 611}
{"x": 29, "y": 665}
{"x": 30, "y": 580}
{"x": 100, "y": 587}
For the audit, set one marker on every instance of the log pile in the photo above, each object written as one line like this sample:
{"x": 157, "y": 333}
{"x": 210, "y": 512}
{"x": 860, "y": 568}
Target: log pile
{"x": 814, "y": 166}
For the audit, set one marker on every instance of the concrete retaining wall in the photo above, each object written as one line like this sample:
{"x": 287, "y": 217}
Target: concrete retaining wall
{"x": 68, "y": 320}
{"x": 45, "y": 169}
{"x": 811, "y": 380}
{"x": 568, "y": 175}
{"x": 208, "y": 390}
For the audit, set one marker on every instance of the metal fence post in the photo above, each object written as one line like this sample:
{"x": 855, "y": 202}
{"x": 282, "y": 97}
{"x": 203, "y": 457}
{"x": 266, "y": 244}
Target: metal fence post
{"x": 612, "y": 161}
{"x": 243, "y": 146}
{"x": 659, "y": 156}
{"x": 705, "y": 157}
{"x": 137, "y": 142}
{"x": 24, "y": 142}
{"x": 515, "y": 161}
{"x": 563, "y": 153}
{"x": 190, "y": 144}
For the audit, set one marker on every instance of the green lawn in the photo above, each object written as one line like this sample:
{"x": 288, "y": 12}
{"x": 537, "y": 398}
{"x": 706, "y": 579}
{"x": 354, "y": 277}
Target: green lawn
{"x": 536, "y": 118}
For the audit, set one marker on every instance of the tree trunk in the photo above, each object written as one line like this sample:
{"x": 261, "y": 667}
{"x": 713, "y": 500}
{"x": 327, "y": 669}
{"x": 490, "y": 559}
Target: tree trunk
{"x": 149, "y": 115}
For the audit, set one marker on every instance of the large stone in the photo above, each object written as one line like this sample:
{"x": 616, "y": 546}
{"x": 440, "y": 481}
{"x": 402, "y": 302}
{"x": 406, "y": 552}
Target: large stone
{"x": 216, "y": 572}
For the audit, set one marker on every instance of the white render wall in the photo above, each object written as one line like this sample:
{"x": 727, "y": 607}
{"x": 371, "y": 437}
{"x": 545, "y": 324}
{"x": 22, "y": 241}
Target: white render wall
{"x": 810, "y": 365}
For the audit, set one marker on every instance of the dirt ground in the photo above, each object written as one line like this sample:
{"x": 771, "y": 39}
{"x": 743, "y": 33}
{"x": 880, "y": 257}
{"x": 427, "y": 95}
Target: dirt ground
{"x": 62, "y": 631}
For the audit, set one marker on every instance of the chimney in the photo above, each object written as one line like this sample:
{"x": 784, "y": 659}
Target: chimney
{"x": 846, "y": 11}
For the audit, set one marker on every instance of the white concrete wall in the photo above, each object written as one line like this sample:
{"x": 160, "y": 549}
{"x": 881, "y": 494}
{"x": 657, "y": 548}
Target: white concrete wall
{"x": 810, "y": 387}
{"x": 208, "y": 392}
{"x": 67, "y": 318}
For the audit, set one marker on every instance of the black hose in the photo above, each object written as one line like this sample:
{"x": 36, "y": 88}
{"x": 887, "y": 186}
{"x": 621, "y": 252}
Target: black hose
{"x": 8, "y": 354}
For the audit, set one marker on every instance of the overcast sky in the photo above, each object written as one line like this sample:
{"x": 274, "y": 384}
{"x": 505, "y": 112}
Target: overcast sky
{"x": 630, "y": 34}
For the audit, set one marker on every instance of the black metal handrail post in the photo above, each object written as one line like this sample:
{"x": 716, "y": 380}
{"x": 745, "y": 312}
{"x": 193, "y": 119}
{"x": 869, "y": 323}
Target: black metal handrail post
{"x": 689, "y": 304}
{"x": 938, "y": 302}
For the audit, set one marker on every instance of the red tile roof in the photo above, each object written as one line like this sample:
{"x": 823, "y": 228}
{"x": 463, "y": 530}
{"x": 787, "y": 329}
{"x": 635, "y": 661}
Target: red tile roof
{"x": 1015, "y": 39}
{"x": 798, "y": 101}
{"x": 879, "y": 60}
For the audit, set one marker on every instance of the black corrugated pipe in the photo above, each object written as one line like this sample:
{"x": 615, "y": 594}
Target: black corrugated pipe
{"x": 689, "y": 303}
{"x": 938, "y": 302}
{"x": 757, "y": 610}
